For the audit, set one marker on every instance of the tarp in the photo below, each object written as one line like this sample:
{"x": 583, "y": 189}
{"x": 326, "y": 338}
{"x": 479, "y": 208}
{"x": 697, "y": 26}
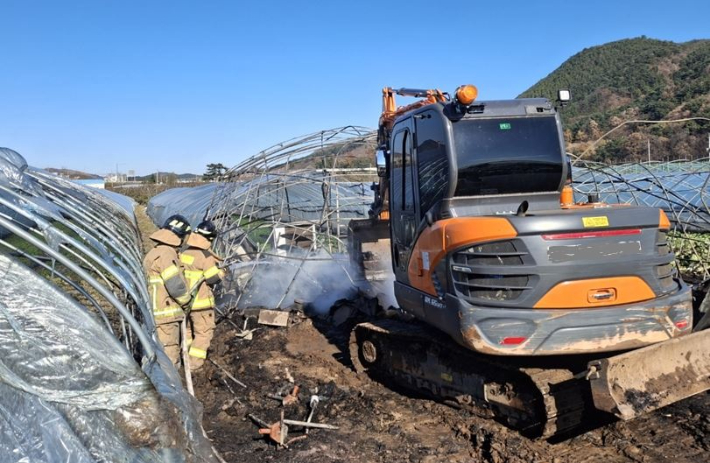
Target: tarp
{"x": 190, "y": 202}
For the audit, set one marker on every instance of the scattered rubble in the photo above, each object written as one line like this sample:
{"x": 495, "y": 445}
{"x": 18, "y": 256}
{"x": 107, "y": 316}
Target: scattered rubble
{"x": 273, "y": 317}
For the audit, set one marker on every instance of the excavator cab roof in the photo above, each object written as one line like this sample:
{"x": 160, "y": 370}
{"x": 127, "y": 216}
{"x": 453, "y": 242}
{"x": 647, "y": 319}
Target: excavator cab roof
{"x": 521, "y": 107}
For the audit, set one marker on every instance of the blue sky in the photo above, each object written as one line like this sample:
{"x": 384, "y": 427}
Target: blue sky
{"x": 173, "y": 85}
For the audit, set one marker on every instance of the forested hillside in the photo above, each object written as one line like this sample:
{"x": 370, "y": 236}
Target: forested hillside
{"x": 635, "y": 79}
{"x": 72, "y": 174}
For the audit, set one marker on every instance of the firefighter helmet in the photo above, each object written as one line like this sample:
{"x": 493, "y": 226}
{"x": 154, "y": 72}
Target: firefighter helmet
{"x": 207, "y": 229}
{"x": 178, "y": 225}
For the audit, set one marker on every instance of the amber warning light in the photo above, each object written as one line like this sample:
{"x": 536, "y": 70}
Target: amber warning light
{"x": 466, "y": 94}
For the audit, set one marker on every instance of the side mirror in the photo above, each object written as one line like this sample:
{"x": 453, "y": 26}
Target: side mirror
{"x": 429, "y": 218}
{"x": 381, "y": 162}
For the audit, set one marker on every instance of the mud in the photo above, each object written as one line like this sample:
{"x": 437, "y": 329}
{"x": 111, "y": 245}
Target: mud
{"x": 378, "y": 423}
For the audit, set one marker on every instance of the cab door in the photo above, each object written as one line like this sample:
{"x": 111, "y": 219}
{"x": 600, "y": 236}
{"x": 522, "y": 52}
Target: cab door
{"x": 403, "y": 218}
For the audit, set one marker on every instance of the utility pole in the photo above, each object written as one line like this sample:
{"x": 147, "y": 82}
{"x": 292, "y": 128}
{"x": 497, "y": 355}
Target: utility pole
{"x": 648, "y": 141}
{"x": 118, "y": 176}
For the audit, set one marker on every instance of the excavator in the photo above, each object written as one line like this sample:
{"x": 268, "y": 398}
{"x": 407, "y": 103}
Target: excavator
{"x": 516, "y": 302}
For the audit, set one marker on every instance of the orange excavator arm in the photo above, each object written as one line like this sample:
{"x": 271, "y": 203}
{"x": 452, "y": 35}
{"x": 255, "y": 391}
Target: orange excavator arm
{"x": 390, "y": 111}
{"x": 465, "y": 95}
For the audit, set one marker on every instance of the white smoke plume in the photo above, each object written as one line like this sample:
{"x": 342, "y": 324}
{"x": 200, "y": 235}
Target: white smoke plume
{"x": 275, "y": 282}
{"x": 317, "y": 278}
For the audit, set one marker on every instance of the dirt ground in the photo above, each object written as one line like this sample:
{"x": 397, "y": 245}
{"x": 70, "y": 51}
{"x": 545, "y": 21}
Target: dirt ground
{"x": 145, "y": 227}
{"x": 379, "y": 424}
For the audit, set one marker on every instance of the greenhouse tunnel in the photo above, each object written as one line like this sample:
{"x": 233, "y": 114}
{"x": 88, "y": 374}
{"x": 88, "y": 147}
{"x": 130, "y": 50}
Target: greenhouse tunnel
{"x": 282, "y": 217}
{"x": 82, "y": 378}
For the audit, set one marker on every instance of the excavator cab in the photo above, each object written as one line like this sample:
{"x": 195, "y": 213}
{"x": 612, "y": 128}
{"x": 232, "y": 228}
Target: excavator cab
{"x": 483, "y": 249}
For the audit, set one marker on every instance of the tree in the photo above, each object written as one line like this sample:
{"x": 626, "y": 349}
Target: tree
{"x": 170, "y": 179}
{"x": 568, "y": 136}
{"x": 214, "y": 171}
{"x": 610, "y": 151}
{"x": 581, "y": 135}
{"x": 594, "y": 131}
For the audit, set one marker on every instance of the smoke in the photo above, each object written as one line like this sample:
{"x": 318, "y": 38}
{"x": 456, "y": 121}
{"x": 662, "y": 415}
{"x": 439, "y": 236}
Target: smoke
{"x": 275, "y": 282}
{"x": 276, "y": 279}
{"x": 378, "y": 278}
{"x": 383, "y": 290}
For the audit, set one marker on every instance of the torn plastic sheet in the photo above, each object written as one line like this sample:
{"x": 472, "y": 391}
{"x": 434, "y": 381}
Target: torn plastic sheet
{"x": 57, "y": 239}
{"x": 70, "y": 389}
{"x": 12, "y": 170}
{"x": 43, "y": 330}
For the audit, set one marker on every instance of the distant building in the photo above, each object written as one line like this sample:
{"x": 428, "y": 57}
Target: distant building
{"x": 190, "y": 179}
{"x": 115, "y": 178}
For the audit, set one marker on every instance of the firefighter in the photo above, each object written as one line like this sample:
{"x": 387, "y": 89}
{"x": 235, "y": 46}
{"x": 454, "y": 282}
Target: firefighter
{"x": 168, "y": 289}
{"x": 201, "y": 267}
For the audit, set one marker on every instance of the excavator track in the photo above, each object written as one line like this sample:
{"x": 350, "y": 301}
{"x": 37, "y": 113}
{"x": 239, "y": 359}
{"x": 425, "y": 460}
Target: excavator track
{"x": 539, "y": 402}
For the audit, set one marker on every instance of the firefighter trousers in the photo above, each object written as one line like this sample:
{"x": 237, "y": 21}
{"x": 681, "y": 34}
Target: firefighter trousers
{"x": 169, "y": 336}
{"x": 200, "y": 331}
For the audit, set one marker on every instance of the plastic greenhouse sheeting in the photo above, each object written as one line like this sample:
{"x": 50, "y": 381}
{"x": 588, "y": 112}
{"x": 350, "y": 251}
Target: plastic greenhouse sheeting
{"x": 82, "y": 378}
{"x": 682, "y": 189}
{"x": 284, "y": 198}
{"x": 126, "y": 203}
{"x": 190, "y": 202}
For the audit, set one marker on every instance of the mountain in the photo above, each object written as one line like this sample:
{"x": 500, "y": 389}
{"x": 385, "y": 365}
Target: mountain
{"x": 634, "y": 79}
{"x": 72, "y": 174}
{"x": 341, "y": 155}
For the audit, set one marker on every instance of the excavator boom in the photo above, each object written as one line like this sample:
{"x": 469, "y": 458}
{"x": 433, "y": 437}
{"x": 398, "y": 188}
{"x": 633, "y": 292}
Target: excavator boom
{"x": 390, "y": 111}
